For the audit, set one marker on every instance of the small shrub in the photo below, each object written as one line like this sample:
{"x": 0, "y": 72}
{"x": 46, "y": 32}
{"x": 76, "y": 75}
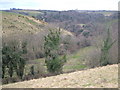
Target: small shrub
{"x": 92, "y": 58}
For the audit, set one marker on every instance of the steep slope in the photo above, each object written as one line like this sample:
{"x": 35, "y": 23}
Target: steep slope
{"x": 20, "y": 28}
{"x": 13, "y": 22}
{"x": 100, "y": 77}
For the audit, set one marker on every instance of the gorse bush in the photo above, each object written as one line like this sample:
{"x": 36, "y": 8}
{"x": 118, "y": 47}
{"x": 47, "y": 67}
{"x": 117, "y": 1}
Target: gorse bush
{"x": 53, "y": 60}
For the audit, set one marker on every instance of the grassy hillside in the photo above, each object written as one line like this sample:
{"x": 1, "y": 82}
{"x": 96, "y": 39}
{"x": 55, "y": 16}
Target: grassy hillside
{"x": 13, "y": 22}
{"x": 26, "y": 12}
{"x": 77, "y": 60}
{"x": 101, "y": 77}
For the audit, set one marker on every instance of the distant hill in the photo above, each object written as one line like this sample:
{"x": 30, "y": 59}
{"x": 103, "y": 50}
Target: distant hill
{"x": 75, "y": 21}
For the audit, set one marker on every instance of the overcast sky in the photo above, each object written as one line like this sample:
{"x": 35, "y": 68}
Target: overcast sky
{"x": 60, "y": 4}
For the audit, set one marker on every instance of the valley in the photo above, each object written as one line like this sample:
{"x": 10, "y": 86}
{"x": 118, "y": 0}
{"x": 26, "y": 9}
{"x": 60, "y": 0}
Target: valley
{"x": 85, "y": 38}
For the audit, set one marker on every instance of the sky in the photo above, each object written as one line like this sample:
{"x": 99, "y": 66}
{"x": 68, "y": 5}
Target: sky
{"x": 60, "y": 4}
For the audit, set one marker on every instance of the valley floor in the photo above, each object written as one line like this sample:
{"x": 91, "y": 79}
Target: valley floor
{"x": 100, "y": 77}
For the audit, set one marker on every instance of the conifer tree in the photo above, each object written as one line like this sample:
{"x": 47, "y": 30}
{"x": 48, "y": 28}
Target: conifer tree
{"x": 107, "y": 44}
{"x": 53, "y": 60}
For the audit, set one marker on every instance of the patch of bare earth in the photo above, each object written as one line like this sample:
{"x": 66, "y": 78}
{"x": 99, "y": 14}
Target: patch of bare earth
{"x": 100, "y": 77}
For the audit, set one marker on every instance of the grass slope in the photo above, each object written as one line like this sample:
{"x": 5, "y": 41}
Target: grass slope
{"x": 100, "y": 77}
{"x": 12, "y": 23}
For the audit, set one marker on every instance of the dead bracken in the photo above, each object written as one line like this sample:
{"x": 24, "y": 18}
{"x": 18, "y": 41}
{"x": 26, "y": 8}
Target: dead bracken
{"x": 100, "y": 77}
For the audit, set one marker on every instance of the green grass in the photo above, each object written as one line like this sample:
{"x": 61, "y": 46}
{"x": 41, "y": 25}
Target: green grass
{"x": 82, "y": 52}
{"x": 29, "y": 12}
{"x": 86, "y": 85}
{"x": 10, "y": 13}
{"x": 76, "y": 56}
{"x": 31, "y": 21}
{"x": 75, "y": 67}
{"x": 74, "y": 62}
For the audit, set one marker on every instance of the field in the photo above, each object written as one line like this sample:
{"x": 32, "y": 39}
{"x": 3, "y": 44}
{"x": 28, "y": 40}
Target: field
{"x": 75, "y": 62}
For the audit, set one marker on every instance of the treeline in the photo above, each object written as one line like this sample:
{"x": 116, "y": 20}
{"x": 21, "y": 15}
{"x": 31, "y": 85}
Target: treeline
{"x": 13, "y": 59}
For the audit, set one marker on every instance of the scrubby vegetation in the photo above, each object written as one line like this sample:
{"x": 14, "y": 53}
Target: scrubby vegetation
{"x": 30, "y": 50}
